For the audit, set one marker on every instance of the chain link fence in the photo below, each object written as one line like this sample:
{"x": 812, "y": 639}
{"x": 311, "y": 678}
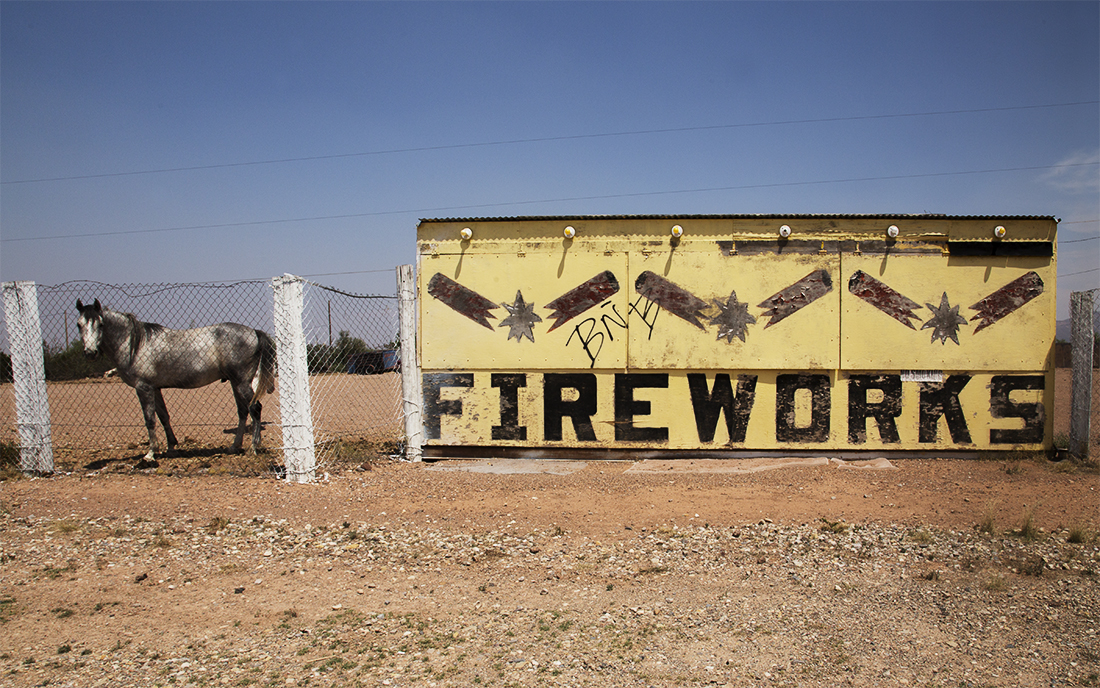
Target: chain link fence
{"x": 354, "y": 361}
{"x": 96, "y": 421}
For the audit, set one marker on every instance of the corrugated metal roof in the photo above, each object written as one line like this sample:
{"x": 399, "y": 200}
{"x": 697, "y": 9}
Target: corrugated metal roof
{"x": 745, "y": 216}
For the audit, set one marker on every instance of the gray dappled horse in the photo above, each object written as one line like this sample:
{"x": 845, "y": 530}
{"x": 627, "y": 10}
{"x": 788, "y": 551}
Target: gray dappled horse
{"x": 150, "y": 357}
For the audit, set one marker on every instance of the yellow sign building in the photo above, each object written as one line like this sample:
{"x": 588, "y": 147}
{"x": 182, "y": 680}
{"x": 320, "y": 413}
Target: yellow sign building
{"x": 719, "y": 334}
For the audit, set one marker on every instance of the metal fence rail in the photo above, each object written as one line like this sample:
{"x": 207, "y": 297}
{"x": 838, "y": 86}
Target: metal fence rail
{"x": 350, "y": 342}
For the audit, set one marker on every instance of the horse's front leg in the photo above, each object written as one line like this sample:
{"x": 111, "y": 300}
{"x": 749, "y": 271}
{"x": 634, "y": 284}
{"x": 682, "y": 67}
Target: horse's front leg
{"x": 162, "y": 413}
{"x": 148, "y": 398}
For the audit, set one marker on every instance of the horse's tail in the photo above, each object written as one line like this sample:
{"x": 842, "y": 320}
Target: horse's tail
{"x": 264, "y": 380}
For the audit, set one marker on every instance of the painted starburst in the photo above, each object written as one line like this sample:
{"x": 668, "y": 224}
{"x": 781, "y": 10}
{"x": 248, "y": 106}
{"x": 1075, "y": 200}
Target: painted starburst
{"x": 733, "y": 318}
{"x": 521, "y": 317}
{"x": 945, "y": 321}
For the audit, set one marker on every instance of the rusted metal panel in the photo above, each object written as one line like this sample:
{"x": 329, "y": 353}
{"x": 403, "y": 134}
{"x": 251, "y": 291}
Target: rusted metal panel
{"x": 460, "y": 299}
{"x": 579, "y": 299}
{"x": 1007, "y": 299}
{"x": 884, "y": 298}
{"x": 539, "y": 311}
{"x": 958, "y": 313}
{"x": 718, "y": 312}
{"x": 797, "y": 296}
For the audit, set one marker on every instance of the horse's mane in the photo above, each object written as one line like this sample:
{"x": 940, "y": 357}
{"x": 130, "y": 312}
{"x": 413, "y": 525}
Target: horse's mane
{"x": 140, "y": 332}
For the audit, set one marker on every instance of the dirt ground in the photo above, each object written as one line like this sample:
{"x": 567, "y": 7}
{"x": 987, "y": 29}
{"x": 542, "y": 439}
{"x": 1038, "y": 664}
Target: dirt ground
{"x": 933, "y": 572}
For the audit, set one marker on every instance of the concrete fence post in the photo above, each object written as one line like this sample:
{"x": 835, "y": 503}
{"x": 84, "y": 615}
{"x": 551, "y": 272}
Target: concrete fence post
{"x": 1081, "y": 339}
{"x": 294, "y": 396}
{"x": 410, "y": 362}
{"x": 32, "y": 407}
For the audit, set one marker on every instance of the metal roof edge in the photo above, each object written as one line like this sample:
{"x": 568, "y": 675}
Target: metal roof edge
{"x": 742, "y": 216}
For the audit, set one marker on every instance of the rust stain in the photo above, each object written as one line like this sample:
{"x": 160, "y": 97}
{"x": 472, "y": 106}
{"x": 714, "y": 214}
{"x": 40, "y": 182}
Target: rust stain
{"x": 579, "y": 299}
{"x": 797, "y": 296}
{"x": 884, "y": 298}
{"x": 672, "y": 297}
{"x": 1007, "y": 299}
{"x": 462, "y": 299}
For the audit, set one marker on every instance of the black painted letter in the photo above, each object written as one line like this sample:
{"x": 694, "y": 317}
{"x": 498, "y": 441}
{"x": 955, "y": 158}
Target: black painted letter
{"x": 509, "y": 428}
{"x": 942, "y": 399}
{"x": 434, "y": 407}
{"x": 709, "y": 404}
{"x": 626, "y": 407}
{"x": 820, "y": 403}
{"x": 1000, "y": 406}
{"x": 884, "y": 412}
{"x": 580, "y": 411}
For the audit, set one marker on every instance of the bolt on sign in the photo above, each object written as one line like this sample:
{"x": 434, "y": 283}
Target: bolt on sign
{"x": 734, "y": 333}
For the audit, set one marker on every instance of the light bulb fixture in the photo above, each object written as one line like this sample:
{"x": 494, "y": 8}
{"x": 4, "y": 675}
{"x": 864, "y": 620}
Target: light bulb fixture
{"x": 570, "y": 232}
{"x": 892, "y": 231}
{"x": 999, "y": 232}
{"x": 466, "y": 233}
{"x": 785, "y": 231}
{"x": 677, "y": 231}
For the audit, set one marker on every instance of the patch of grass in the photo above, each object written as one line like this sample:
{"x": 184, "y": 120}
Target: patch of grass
{"x": 647, "y": 570}
{"x": 64, "y": 649}
{"x": 1067, "y": 466}
{"x": 1030, "y": 566}
{"x": 9, "y": 462}
{"x": 1079, "y": 534}
{"x": 1028, "y": 529}
{"x": 988, "y": 524}
{"x": 162, "y": 540}
{"x": 217, "y": 525}
{"x": 7, "y": 608}
{"x": 828, "y": 526}
{"x": 62, "y": 612}
{"x": 994, "y": 584}
{"x": 64, "y": 527}
{"x": 922, "y": 536}
{"x": 55, "y": 572}
{"x": 1014, "y": 468}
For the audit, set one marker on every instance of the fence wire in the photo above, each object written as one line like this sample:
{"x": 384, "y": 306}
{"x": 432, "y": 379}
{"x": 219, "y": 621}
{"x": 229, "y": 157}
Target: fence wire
{"x": 354, "y": 358}
{"x": 96, "y": 421}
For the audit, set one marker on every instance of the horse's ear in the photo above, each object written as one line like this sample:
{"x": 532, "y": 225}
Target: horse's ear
{"x": 98, "y": 308}
{"x": 79, "y": 305}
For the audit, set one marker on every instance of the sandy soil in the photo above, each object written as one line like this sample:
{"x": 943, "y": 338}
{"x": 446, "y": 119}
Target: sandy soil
{"x": 934, "y": 572}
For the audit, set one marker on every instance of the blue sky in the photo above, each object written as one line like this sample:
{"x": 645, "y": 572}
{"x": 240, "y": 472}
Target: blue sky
{"x": 832, "y": 91}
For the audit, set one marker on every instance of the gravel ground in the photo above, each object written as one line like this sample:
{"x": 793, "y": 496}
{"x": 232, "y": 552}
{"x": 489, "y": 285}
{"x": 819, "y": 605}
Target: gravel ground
{"x": 254, "y": 598}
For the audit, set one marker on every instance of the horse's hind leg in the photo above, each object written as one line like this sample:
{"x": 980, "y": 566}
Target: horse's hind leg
{"x": 254, "y": 410}
{"x": 242, "y": 392}
{"x": 162, "y": 413}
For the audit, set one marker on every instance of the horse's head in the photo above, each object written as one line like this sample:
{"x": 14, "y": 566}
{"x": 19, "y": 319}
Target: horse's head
{"x": 91, "y": 326}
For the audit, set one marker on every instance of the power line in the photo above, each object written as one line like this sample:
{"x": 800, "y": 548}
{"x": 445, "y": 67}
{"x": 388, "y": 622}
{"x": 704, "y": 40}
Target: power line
{"x": 546, "y": 139}
{"x": 1081, "y": 272}
{"x": 226, "y": 225}
{"x": 1077, "y": 241}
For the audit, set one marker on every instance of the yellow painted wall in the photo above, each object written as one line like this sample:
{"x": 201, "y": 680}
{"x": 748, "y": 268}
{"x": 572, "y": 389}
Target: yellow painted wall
{"x": 706, "y": 303}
